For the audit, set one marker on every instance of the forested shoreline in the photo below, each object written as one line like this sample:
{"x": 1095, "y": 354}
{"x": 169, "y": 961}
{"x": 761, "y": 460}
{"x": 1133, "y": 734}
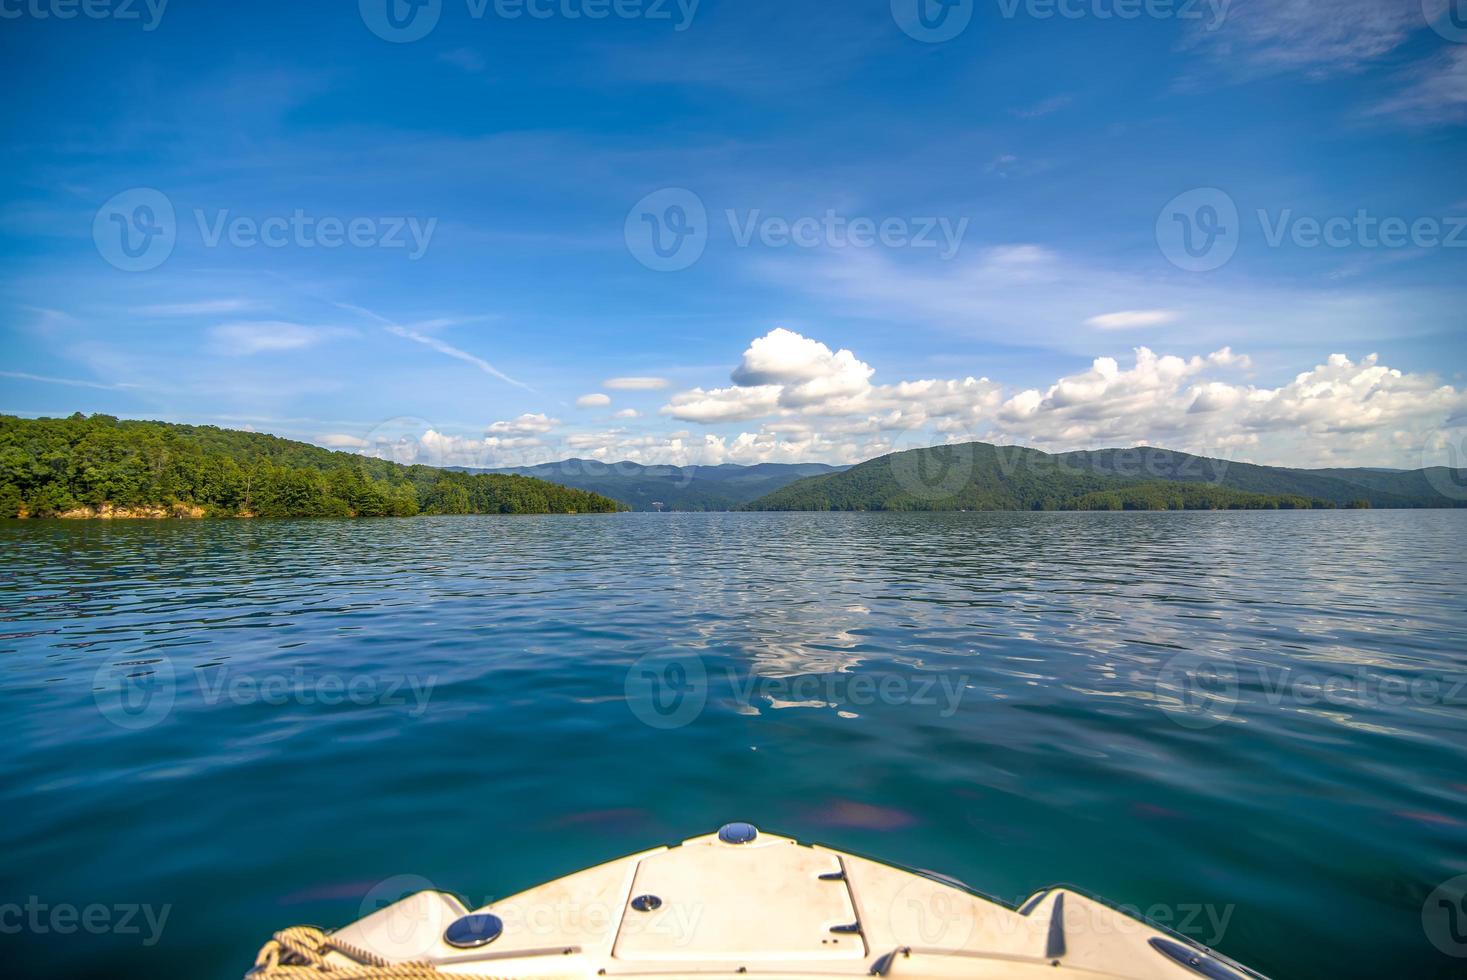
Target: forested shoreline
{"x": 100, "y": 466}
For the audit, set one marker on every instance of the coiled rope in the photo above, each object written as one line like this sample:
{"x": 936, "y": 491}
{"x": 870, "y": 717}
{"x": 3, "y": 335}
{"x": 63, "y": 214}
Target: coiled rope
{"x": 299, "y": 953}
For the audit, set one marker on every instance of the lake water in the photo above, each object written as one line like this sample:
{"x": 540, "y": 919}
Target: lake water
{"x": 1250, "y": 724}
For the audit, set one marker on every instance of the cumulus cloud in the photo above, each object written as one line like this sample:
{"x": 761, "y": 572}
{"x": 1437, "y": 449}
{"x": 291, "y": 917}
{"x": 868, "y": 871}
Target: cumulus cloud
{"x": 636, "y": 384}
{"x": 796, "y": 399}
{"x": 525, "y": 425}
{"x": 820, "y": 400}
{"x": 596, "y": 400}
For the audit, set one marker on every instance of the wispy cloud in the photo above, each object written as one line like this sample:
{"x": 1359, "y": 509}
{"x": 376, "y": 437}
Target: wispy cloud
{"x": 269, "y": 336}
{"x": 1044, "y": 107}
{"x": 467, "y": 59}
{"x": 197, "y": 308}
{"x": 71, "y": 382}
{"x": 1433, "y": 92}
{"x": 433, "y": 343}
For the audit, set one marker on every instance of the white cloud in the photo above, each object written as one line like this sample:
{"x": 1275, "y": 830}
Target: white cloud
{"x": 1265, "y": 36}
{"x": 340, "y": 440}
{"x": 1132, "y": 319}
{"x": 1043, "y": 108}
{"x": 269, "y": 336}
{"x": 636, "y": 384}
{"x": 525, "y": 425}
{"x": 70, "y": 382}
{"x": 454, "y": 352}
{"x": 596, "y": 400}
{"x": 1338, "y": 412}
{"x": 723, "y": 404}
{"x": 627, "y": 413}
{"x": 196, "y": 308}
{"x": 824, "y": 402}
{"x": 1433, "y": 92}
{"x": 1044, "y": 296}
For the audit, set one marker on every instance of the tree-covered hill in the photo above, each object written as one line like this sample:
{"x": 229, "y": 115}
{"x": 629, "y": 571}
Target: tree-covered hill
{"x": 979, "y": 476}
{"x": 675, "y": 488}
{"x": 80, "y": 466}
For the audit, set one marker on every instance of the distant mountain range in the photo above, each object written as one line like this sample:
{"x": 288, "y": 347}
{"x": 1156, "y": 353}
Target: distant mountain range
{"x": 682, "y": 488}
{"x": 979, "y": 476}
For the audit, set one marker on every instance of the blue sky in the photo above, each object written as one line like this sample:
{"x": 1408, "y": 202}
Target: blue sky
{"x": 457, "y": 261}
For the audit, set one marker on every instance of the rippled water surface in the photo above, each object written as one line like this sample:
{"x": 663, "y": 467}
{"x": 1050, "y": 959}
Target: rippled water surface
{"x": 1251, "y": 723}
